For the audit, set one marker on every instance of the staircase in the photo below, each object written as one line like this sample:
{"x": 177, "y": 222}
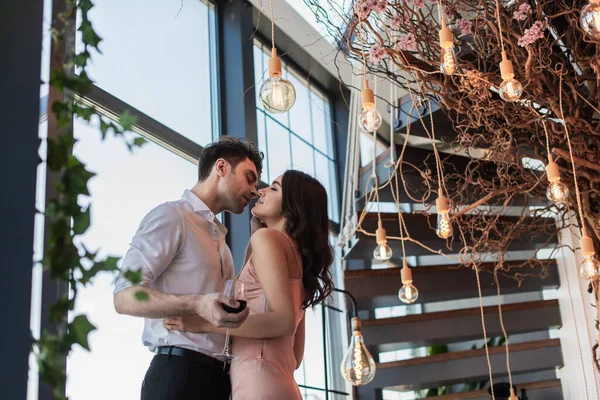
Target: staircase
{"x": 438, "y": 341}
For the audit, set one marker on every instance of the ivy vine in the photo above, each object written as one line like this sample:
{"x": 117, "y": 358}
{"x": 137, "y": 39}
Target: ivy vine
{"x": 65, "y": 217}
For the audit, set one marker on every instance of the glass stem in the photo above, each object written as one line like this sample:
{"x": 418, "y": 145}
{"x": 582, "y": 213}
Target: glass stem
{"x": 226, "y": 349}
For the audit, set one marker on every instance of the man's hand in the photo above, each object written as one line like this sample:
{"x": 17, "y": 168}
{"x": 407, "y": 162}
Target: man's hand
{"x": 187, "y": 323}
{"x": 210, "y": 307}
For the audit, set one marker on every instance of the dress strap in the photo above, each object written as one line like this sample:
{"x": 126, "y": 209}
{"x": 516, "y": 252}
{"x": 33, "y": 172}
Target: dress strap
{"x": 298, "y": 261}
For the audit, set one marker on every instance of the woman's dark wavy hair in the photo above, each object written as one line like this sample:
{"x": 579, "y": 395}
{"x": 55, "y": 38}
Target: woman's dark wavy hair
{"x": 304, "y": 206}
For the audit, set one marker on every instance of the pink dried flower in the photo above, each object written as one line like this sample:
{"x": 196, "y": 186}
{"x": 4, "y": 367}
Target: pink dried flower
{"x": 363, "y": 9}
{"x": 407, "y": 42}
{"x": 378, "y": 5}
{"x": 417, "y": 3}
{"x": 465, "y": 26}
{"x": 450, "y": 11}
{"x": 377, "y": 53}
{"x": 396, "y": 22}
{"x": 522, "y": 12}
{"x": 532, "y": 34}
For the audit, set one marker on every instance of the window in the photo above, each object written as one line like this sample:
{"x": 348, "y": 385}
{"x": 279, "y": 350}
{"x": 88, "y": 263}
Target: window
{"x": 161, "y": 65}
{"x": 319, "y": 374}
{"x": 164, "y": 67}
{"x": 302, "y": 138}
{"x": 128, "y": 185}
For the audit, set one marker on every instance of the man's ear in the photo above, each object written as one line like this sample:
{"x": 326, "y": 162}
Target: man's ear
{"x": 222, "y": 167}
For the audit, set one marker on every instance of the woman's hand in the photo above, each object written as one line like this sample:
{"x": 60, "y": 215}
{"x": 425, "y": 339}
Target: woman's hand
{"x": 188, "y": 323}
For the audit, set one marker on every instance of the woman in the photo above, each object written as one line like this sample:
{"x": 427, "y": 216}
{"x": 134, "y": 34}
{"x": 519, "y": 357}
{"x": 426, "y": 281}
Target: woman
{"x": 286, "y": 271}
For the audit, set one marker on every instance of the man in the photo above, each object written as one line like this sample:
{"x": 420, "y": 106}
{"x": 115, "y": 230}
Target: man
{"x": 184, "y": 261}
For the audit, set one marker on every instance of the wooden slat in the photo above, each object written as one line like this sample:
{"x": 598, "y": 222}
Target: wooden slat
{"x": 464, "y": 366}
{"x": 379, "y": 287}
{"x": 457, "y": 355}
{"x": 424, "y": 160}
{"x": 483, "y": 394}
{"x": 459, "y": 325}
{"x": 421, "y": 228}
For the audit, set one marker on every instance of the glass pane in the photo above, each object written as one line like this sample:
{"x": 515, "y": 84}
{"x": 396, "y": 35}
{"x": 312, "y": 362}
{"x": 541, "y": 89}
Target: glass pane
{"x": 262, "y": 143}
{"x": 313, "y": 350}
{"x": 157, "y": 63}
{"x": 321, "y": 123}
{"x": 127, "y": 186}
{"x": 300, "y": 113}
{"x": 278, "y": 139}
{"x": 260, "y": 74}
{"x": 312, "y": 394}
{"x": 326, "y": 175}
{"x": 302, "y": 156}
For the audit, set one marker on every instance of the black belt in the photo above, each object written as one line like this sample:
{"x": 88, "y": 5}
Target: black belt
{"x": 192, "y": 355}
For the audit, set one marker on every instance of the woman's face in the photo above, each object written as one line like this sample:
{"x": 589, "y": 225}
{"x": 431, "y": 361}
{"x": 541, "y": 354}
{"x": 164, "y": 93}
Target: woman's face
{"x": 268, "y": 205}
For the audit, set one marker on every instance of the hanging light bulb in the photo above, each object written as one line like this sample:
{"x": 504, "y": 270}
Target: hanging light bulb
{"x": 513, "y": 396}
{"x": 590, "y": 19}
{"x": 370, "y": 120}
{"x": 589, "y": 268}
{"x": 358, "y": 366}
{"x": 557, "y": 192}
{"x": 382, "y": 252}
{"x": 277, "y": 94}
{"x": 448, "y": 57}
{"x": 408, "y": 293}
{"x": 510, "y": 89}
{"x": 444, "y": 224}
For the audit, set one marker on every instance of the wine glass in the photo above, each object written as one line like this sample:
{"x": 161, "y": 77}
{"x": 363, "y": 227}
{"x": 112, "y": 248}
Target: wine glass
{"x": 232, "y": 289}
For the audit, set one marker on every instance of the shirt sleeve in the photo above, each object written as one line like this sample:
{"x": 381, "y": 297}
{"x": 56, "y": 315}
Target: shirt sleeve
{"x": 154, "y": 245}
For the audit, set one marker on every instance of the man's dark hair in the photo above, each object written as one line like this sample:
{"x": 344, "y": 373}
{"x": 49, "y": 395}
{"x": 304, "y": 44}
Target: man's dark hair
{"x": 231, "y": 149}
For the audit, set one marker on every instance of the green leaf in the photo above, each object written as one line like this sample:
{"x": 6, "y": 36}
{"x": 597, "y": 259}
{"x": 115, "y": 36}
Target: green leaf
{"x": 81, "y": 222}
{"x": 139, "y": 141}
{"x": 127, "y": 120}
{"x": 135, "y": 277}
{"x": 79, "y": 330}
{"x": 85, "y": 6}
{"x": 111, "y": 263}
{"x": 88, "y": 35}
{"x": 141, "y": 295}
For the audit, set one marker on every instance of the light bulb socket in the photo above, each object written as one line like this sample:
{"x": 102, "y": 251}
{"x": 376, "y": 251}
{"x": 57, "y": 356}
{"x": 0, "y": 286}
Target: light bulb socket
{"x": 587, "y": 245}
{"x": 381, "y": 234}
{"x": 406, "y": 275}
{"x": 356, "y": 324}
{"x": 506, "y": 68}
{"x": 552, "y": 171}
{"x": 274, "y": 64}
{"x": 442, "y": 205}
{"x": 368, "y": 97}
{"x": 446, "y": 39}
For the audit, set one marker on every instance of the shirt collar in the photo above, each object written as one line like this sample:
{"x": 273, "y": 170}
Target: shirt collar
{"x": 201, "y": 208}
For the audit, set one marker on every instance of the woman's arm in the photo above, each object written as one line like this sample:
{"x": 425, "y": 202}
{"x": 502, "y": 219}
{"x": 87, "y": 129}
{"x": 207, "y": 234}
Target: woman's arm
{"x": 299, "y": 343}
{"x": 271, "y": 264}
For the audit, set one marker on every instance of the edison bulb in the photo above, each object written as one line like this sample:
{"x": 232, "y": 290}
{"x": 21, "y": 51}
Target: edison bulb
{"x": 370, "y": 120}
{"x": 511, "y": 90}
{"x": 590, "y": 20}
{"x": 557, "y": 192}
{"x": 448, "y": 61}
{"x": 408, "y": 293}
{"x": 277, "y": 95}
{"x": 589, "y": 268}
{"x": 382, "y": 252}
{"x": 444, "y": 226}
{"x": 358, "y": 366}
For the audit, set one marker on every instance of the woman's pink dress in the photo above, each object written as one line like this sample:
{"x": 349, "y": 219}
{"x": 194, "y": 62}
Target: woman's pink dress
{"x": 264, "y": 368}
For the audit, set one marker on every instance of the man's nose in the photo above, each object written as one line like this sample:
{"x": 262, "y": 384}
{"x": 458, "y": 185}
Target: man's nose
{"x": 255, "y": 193}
